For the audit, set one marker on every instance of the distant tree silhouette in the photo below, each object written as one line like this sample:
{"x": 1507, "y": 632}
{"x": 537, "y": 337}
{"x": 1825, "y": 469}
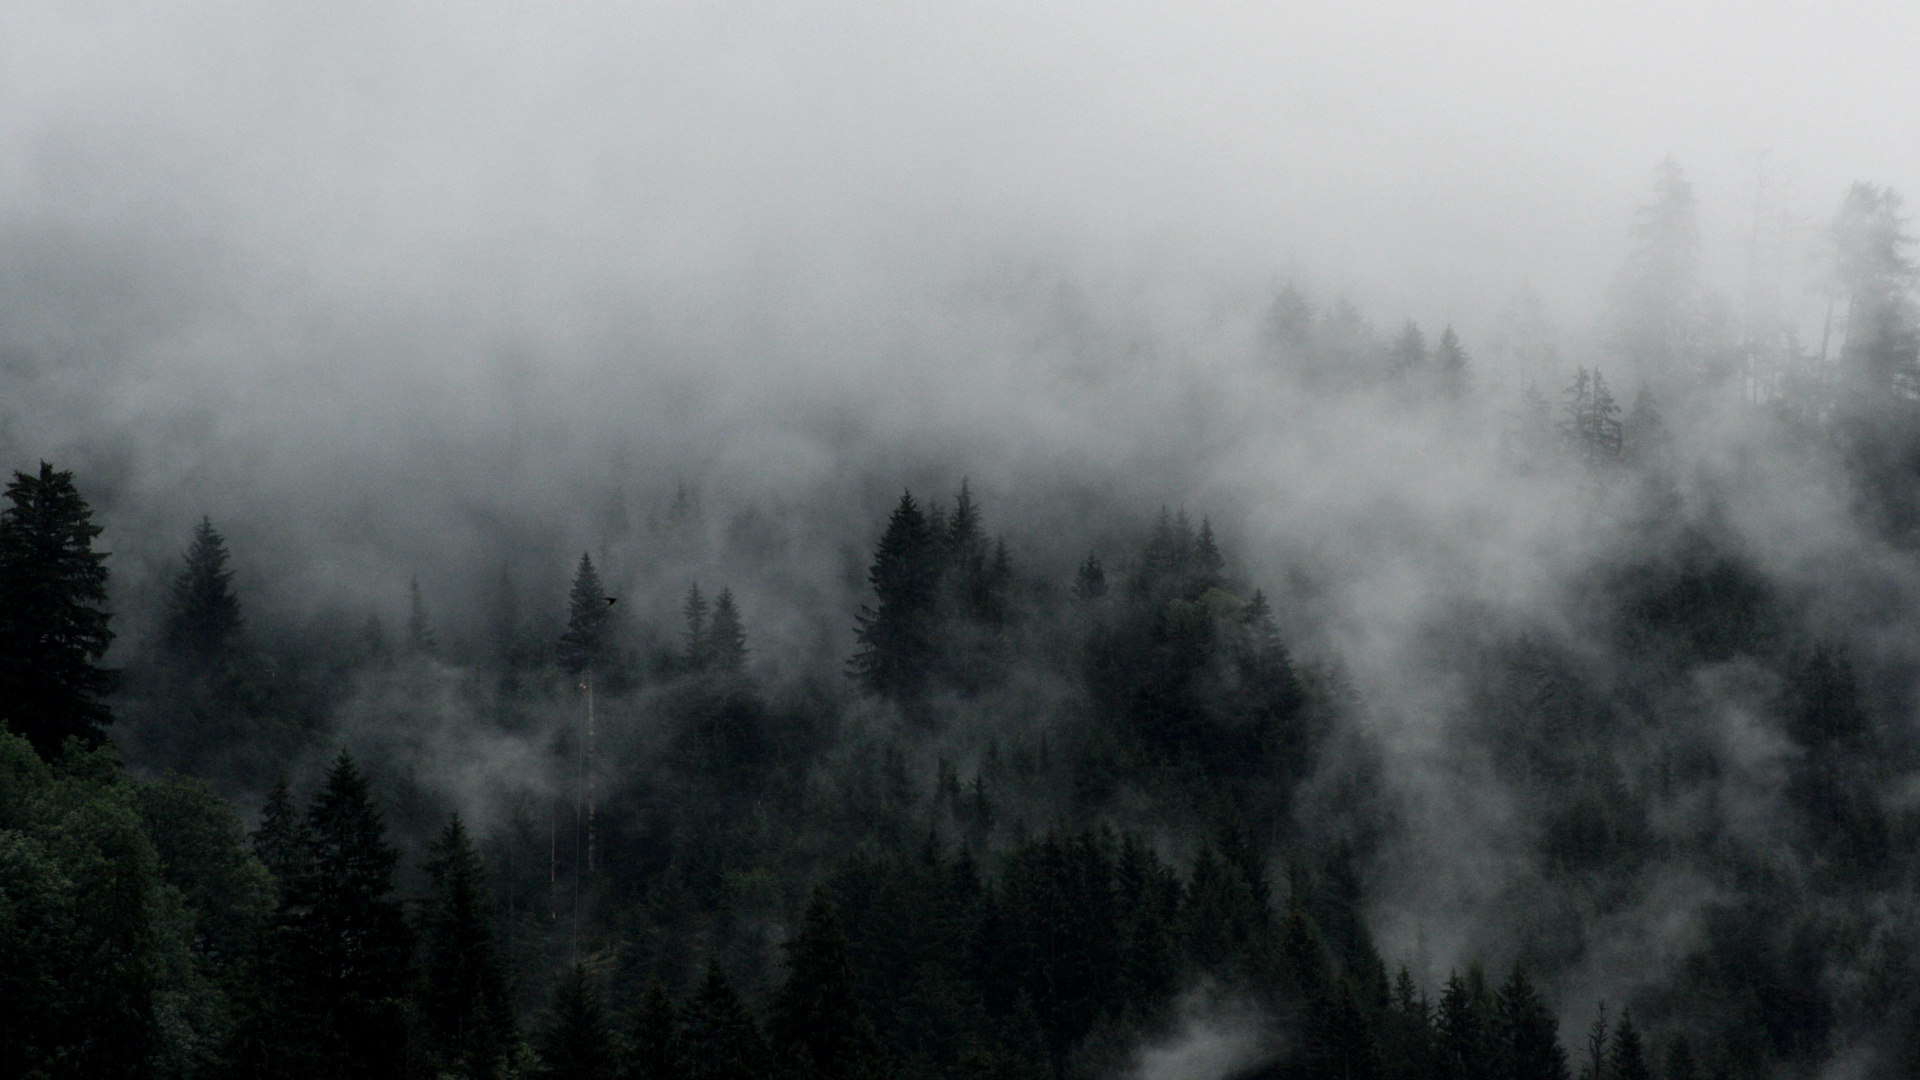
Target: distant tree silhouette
{"x": 203, "y": 615}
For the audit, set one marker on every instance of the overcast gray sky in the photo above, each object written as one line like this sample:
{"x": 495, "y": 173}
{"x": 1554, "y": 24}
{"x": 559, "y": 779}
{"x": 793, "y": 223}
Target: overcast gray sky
{"x": 1426, "y": 156}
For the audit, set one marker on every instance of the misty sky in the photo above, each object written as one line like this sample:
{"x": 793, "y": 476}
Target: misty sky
{"x": 525, "y": 163}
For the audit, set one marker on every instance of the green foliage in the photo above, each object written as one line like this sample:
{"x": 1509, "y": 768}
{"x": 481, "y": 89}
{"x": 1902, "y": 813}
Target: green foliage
{"x": 464, "y": 1012}
{"x": 203, "y": 615}
{"x": 817, "y": 1025}
{"x": 53, "y": 623}
{"x": 657, "y": 1050}
{"x": 573, "y": 1040}
{"x": 586, "y": 645}
{"x": 724, "y": 1042}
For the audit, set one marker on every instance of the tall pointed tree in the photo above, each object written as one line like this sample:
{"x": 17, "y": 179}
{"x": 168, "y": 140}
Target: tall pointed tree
{"x": 817, "y": 1025}
{"x": 203, "y": 615}
{"x": 573, "y": 1040}
{"x": 1452, "y": 368}
{"x": 53, "y": 619}
{"x": 352, "y": 947}
{"x": 723, "y": 1042}
{"x": 896, "y": 635}
{"x": 585, "y": 644}
{"x": 726, "y": 641}
{"x": 464, "y": 1009}
{"x": 695, "y": 611}
{"x": 657, "y": 1050}
{"x": 420, "y": 637}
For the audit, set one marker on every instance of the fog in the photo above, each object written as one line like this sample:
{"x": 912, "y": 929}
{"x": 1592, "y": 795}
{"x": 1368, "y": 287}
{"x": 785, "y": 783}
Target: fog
{"x": 446, "y": 292}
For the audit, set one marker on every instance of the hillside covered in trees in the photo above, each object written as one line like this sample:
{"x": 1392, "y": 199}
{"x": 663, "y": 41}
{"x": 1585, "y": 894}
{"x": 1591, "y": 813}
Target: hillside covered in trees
{"x": 1391, "y": 710}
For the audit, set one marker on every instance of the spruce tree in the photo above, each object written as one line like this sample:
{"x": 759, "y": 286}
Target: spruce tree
{"x": 896, "y": 635}
{"x": 1595, "y": 1065}
{"x": 573, "y": 1040}
{"x": 1407, "y": 357}
{"x": 585, "y": 644}
{"x": 723, "y": 1042}
{"x": 726, "y": 641}
{"x": 1529, "y": 1035}
{"x": 351, "y": 947}
{"x": 203, "y": 614}
{"x": 1627, "y": 1060}
{"x": 657, "y": 1050}
{"x": 817, "y": 1025}
{"x": 464, "y": 1010}
{"x": 53, "y": 624}
{"x": 1452, "y": 367}
{"x": 1090, "y": 583}
{"x": 420, "y": 637}
{"x": 695, "y": 611}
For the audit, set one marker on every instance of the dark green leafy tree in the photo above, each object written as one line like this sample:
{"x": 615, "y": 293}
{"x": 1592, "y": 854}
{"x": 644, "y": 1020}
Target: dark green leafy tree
{"x": 572, "y": 1039}
{"x": 896, "y": 635}
{"x": 585, "y": 645}
{"x": 464, "y": 1010}
{"x": 203, "y": 615}
{"x": 53, "y": 621}
{"x": 657, "y": 1050}
{"x": 723, "y": 1042}
{"x": 817, "y": 1026}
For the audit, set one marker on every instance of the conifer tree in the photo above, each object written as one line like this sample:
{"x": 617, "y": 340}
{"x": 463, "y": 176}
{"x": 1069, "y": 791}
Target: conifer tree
{"x": 694, "y": 610}
{"x": 584, "y": 646}
{"x": 726, "y": 641}
{"x": 1462, "y": 1028}
{"x": 464, "y": 1009}
{"x": 1452, "y": 367}
{"x": 1596, "y": 1065}
{"x": 1407, "y": 356}
{"x": 657, "y": 1050}
{"x": 1090, "y": 583}
{"x": 896, "y": 635}
{"x": 1627, "y": 1060}
{"x": 573, "y": 1040}
{"x": 420, "y": 637}
{"x": 1209, "y": 566}
{"x": 203, "y": 614}
{"x": 279, "y": 841}
{"x": 1680, "y": 1064}
{"x": 1657, "y": 304}
{"x": 817, "y": 1025}
{"x": 1529, "y": 1035}
{"x": 723, "y": 1042}
{"x": 351, "y": 946}
{"x": 53, "y": 624}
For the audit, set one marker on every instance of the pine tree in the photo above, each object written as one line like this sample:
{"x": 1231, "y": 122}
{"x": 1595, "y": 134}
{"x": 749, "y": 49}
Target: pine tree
{"x": 573, "y": 1040}
{"x": 1680, "y": 1063}
{"x": 1407, "y": 356}
{"x": 657, "y": 1050}
{"x": 1465, "y": 1041}
{"x": 280, "y": 841}
{"x": 726, "y": 642}
{"x": 464, "y": 1009}
{"x": 1628, "y": 1059}
{"x": 1209, "y": 566}
{"x": 1657, "y": 304}
{"x": 203, "y": 614}
{"x": 1529, "y": 1035}
{"x": 896, "y": 636}
{"x": 723, "y": 1042}
{"x": 584, "y": 646}
{"x": 1090, "y": 583}
{"x": 694, "y": 610}
{"x": 420, "y": 636}
{"x": 53, "y": 626}
{"x": 351, "y": 946}
{"x": 1596, "y": 1066}
{"x": 1452, "y": 367}
{"x": 817, "y": 1024}
{"x": 1880, "y": 357}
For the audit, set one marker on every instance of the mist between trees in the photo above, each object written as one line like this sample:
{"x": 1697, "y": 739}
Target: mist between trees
{"x": 1261, "y": 695}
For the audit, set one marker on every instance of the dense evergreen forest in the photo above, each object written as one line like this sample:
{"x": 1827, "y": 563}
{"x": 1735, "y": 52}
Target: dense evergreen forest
{"x": 1105, "y": 797}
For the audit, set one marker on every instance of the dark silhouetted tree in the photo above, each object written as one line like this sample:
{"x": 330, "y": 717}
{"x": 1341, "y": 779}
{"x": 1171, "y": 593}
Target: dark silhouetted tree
{"x": 1529, "y": 1036}
{"x": 572, "y": 1039}
{"x": 896, "y": 635}
{"x": 657, "y": 1050}
{"x": 584, "y": 646}
{"x": 817, "y": 1025}
{"x": 723, "y": 1042}
{"x": 420, "y": 637}
{"x": 464, "y": 1010}
{"x": 1090, "y": 583}
{"x": 203, "y": 614}
{"x": 1627, "y": 1060}
{"x": 726, "y": 641}
{"x": 53, "y": 622}
{"x": 1453, "y": 371}
{"x": 694, "y": 611}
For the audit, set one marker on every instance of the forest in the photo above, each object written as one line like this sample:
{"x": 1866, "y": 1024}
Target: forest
{"x": 944, "y": 773}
